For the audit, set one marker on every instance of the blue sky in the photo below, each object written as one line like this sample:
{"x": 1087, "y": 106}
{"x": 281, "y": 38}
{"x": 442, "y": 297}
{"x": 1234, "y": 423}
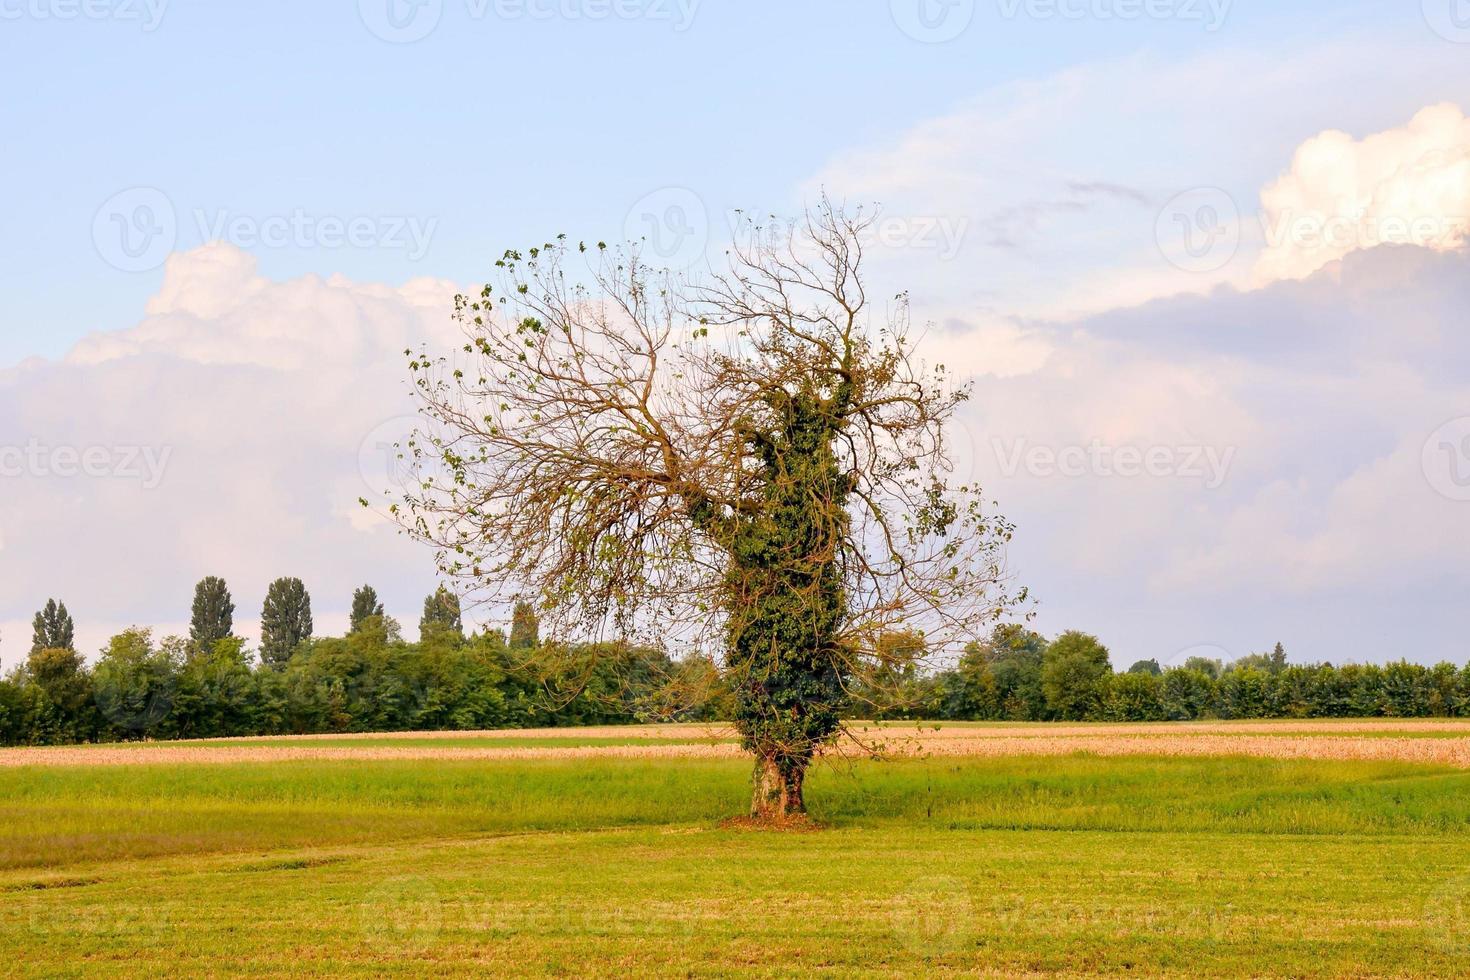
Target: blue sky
{"x": 1029, "y": 153}
{"x": 500, "y": 129}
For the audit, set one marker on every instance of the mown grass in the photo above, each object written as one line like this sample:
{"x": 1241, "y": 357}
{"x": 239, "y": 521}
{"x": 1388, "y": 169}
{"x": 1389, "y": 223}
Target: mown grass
{"x": 1151, "y": 866}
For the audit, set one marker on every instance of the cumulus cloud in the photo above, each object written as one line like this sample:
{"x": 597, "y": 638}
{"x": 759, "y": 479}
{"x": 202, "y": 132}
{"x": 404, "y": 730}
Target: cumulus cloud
{"x": 1324, "y": 401}
{"x": 1404, "y": 186}
{"x": 229, "y": 432}
{"x": 1192, "y": 459}
{"x": 1064, "y": 184}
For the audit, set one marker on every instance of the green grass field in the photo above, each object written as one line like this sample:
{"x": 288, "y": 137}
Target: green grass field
{"x": 620, "y": 867}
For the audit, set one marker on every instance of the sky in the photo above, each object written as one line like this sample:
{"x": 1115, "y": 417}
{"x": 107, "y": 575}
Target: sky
{"x": 1203, "y": 261}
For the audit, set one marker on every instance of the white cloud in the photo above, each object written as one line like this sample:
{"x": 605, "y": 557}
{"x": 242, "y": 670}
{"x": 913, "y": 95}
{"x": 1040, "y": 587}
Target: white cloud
{"x": 1404, "y": 186}
{"x": 1320, "y": 394}
{"x": 1063, "y": 184}
{"x": 258, "y": 396}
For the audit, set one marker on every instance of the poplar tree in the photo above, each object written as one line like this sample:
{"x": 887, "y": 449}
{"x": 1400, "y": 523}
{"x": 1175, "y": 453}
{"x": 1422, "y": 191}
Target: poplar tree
{"x": 213, "y": 616}
{"x": 285, "y": 620}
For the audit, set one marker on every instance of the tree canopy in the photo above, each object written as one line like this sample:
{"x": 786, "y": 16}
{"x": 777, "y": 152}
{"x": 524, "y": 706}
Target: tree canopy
{"x": 755, "y": 463}
{"x": 213, "y": 614}
{"x": 53, "y": 629}
{"x": 285, "y": 620}
{"x": 365, "y": 604}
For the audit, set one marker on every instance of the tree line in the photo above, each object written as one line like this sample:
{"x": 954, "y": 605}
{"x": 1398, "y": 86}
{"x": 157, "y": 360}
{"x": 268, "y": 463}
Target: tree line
{"x": 1020, "y": 675}
{"x": 209, "y": 684}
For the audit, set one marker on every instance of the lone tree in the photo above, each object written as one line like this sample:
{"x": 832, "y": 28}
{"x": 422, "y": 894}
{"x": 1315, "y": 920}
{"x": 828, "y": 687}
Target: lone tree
{"x": 365, "y": 604}
{"x": 441, "y": 615}
{"x": 213, "y": 617}
{"x": 747, "y": 462}
{"x": 285, "y": 620}
{"x": 52, "y": 629}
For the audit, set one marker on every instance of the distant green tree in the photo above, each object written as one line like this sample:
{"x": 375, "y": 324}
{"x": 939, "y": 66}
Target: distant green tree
{"x": 525, "y": 627}
{"x": 1271, "y": 663}
{"x": 1000, "y": 678}
{"x": 285, "y": 620}
{"x": 441, "y": 616}
{"x": 1150, "y": 667}
{"x": 1135, "y": 696}
{"x": 1244, "y": 692}
{"x": 1189, "y": 693}
{"x": 134, "y": 684}
{"x": 364, "y": 604}
{"x": 52, "y": 629}
{"x": 1204, "y": 665}
{"x": 213, "y": 616}
{"x": 1074, "y": 675}
{"x": 1276, "y": 662}
{"x": 58, "y": 687}
{"x": 217, "y": 694}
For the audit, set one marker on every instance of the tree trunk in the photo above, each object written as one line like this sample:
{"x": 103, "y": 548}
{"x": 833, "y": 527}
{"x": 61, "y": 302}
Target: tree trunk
{"x": 778, "y": 782}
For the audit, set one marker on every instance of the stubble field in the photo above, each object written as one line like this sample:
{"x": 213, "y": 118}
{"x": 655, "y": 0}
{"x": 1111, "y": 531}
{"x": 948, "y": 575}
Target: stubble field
{"x": 1248, "y": 849}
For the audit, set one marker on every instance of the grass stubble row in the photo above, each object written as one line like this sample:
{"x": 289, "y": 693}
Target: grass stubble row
{"x": 1375, "y": 741}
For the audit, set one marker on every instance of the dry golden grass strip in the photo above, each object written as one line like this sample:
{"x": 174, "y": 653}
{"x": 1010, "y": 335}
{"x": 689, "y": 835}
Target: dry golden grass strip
{"x": 192, "y": 754}
{"x": 1140, "y": 740}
